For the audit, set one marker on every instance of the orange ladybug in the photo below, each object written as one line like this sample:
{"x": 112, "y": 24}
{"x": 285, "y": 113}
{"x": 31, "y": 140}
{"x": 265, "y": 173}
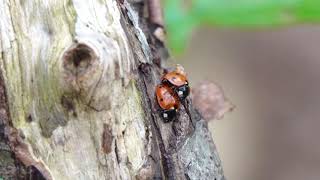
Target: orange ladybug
{"x": 178, "y": 80}
{"x": 168, "y": 101}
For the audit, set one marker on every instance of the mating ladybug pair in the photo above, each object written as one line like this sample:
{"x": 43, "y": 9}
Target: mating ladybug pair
{"x": 173, "y": 89}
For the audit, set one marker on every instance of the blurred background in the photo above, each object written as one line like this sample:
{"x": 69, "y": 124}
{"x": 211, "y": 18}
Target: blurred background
{"x": 273, "y": 78}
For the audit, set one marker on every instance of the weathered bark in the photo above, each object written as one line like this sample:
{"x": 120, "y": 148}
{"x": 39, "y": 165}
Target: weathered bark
{"x": 77, "y": 97}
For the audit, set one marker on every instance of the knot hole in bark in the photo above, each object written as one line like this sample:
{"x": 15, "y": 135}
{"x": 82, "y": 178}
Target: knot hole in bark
{"x": 81, "y": 68}
{"x": 78, "y": 58}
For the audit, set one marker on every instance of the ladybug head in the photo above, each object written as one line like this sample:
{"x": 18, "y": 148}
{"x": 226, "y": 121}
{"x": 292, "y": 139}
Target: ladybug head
{"x": 183, "y": 91}
{"x": 169, "y": 115}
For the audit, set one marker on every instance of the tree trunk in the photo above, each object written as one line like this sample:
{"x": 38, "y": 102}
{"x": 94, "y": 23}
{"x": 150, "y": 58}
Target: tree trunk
{"x": 77, "y": 97}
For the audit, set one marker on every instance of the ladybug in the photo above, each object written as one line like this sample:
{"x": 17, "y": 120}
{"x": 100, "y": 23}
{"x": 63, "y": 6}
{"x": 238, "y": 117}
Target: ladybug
{"x": 178, "y": 80}
{"x": 168, "y": 102}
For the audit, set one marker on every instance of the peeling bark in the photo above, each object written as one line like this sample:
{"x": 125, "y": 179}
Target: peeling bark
{"x": 77, "y": 97}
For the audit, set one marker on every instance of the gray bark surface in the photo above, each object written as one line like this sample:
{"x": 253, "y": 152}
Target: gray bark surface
{"x": 78, "y": 102}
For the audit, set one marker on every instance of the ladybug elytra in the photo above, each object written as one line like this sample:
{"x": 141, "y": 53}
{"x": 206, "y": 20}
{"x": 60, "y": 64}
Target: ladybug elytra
{"x": 168, "y": 101}
{"x": 178, "y": 80}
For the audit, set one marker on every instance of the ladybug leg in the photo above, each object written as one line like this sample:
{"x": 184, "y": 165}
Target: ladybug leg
{"x": 183, "y": 91}
{"x": 168, "y": 115}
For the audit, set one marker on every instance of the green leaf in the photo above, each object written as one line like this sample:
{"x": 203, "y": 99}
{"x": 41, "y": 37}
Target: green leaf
{"x": 180, "y": 20}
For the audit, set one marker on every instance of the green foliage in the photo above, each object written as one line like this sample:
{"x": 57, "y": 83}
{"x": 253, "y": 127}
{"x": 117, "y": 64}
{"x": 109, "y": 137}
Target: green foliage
{"x": 182, "y": 19}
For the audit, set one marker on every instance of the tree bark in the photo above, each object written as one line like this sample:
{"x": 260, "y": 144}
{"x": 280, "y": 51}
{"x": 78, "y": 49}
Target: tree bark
{"x": 77, "y": 97}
